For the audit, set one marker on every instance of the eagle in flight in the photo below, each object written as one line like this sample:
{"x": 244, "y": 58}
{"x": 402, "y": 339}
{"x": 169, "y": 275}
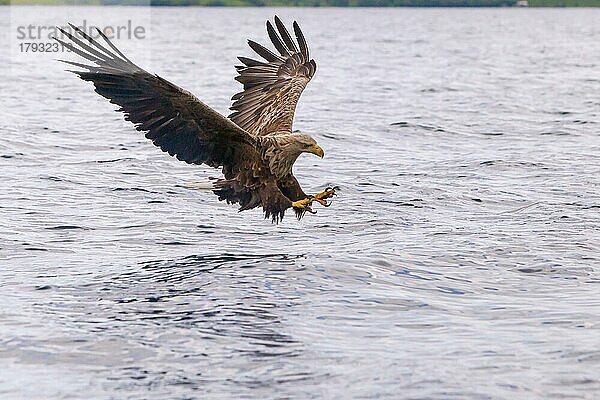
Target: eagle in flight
{"x": 255, "y": 146}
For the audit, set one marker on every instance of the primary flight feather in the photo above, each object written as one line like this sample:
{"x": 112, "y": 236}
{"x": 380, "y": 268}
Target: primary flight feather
{"x": 255, "y": 146}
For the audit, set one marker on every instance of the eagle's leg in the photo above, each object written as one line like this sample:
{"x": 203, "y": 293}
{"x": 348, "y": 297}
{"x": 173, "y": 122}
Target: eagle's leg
{"x": 326, "y": 194}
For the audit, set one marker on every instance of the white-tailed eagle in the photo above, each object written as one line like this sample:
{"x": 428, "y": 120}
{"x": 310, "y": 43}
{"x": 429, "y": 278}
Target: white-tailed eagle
{"x": 255, "y": 146}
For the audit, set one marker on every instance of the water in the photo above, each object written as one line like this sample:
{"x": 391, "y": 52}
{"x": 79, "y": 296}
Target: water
{"x": 461, "y": 260}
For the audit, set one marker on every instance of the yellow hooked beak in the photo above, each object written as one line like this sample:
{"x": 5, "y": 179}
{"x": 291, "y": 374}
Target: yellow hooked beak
{"x": 316, "y": 149}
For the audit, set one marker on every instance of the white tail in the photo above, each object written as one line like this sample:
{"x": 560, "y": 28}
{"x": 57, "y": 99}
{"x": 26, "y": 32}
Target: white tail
{"x": 203, "y": 184}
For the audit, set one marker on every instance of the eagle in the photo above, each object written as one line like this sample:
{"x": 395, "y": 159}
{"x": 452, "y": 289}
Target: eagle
{"x": 254, "y": 146}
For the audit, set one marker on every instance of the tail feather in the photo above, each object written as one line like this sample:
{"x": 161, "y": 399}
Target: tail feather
{"x": 202, "y": 184}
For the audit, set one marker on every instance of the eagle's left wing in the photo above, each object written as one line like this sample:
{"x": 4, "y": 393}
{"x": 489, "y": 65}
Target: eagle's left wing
{"x": 272, "y": 88}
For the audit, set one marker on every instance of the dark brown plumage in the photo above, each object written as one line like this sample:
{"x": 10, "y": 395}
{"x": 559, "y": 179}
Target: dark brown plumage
{"x": 255, "y": 148}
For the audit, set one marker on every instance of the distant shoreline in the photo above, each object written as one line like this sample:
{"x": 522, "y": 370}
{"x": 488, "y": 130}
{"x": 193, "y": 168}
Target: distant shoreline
{"x": 316, "y": 3}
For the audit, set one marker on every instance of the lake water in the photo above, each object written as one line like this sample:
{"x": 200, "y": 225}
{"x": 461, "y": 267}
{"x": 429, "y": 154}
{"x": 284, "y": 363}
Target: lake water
{"x": 460, "y": 261}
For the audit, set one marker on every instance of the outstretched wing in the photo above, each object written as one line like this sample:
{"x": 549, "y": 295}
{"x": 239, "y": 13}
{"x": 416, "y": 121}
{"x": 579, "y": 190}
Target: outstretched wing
{"x": 180, "y": 124}
{"x": 174, "y": 119}
{"x": 272, "y": 88}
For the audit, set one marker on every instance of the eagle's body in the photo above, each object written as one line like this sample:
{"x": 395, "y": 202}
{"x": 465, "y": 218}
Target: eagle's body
{"x": 255, "y": 147}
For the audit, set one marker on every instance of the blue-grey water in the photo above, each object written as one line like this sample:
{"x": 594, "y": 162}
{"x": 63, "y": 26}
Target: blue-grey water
{"x": 460, "y": 261}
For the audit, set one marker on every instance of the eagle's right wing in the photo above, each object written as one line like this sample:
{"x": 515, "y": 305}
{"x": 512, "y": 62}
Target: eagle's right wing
{"x": 174, "y": 119}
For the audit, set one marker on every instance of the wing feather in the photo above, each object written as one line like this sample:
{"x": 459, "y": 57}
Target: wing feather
{"x": 301, "y": 41}
{"x": 264, "y": 52}
{"x": 285, "y": 35}
{"x": 277, "y": 42}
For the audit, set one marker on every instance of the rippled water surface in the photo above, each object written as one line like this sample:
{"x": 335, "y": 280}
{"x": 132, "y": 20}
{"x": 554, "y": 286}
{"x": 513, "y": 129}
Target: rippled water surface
{"x": 461, "y": 260}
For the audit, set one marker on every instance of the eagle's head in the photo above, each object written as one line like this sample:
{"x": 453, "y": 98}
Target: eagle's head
{"x": 306, "y": 144}
{"x": 281, "y": 151}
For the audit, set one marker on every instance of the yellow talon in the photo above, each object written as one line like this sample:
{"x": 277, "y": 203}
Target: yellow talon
{"x": 326, "y": 194}
{"x": 304, "y": 203}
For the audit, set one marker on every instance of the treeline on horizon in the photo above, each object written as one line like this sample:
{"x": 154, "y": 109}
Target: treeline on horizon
{"x": 317, "y": 3}
{"x": 337, "y": 3}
